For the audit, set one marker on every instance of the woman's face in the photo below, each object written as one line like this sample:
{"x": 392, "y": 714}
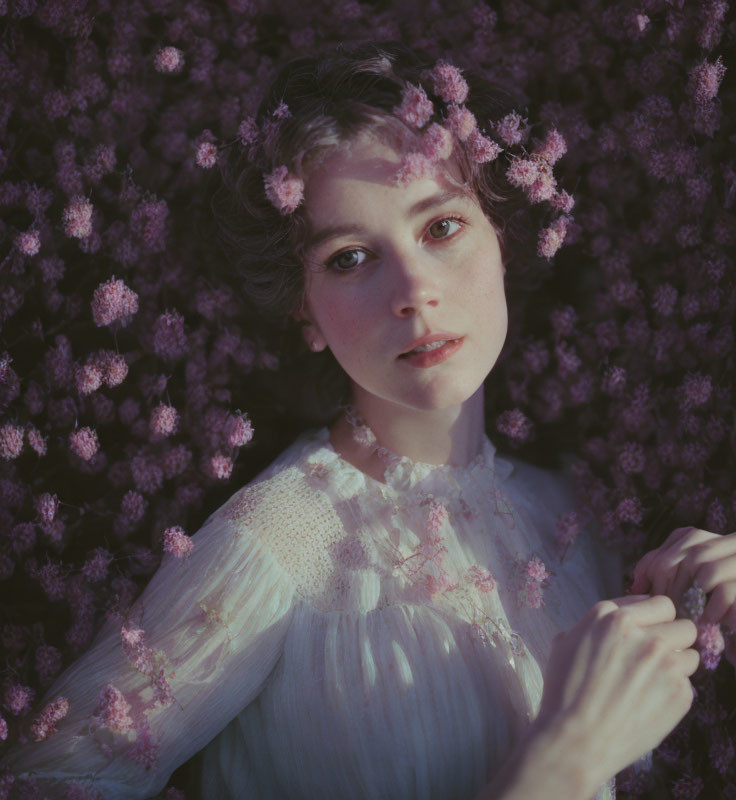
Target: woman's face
{"x": 388, "y": 265}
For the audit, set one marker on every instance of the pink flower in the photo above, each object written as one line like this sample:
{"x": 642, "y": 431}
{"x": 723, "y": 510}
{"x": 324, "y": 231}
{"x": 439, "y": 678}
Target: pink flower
{"x": 96, "y": 566}
{"x": 552, "y": 237}
{"x": 113, "y": 301}
{"x": 710, "y": 643}
{"x": 512, "y": 128}
{"x": 281, "y": 111}
{"x": 461, "y": 121}
{"x": 552, "y": 148}
{"x": 169, "y": 338}
{"x": 44, "y": 725}
{"x": 481, "y": 578}
{"x": 284, "y": 190}
{"x": 248, "y": 131}
{"x": 84, "y": 443}
{"x": 219, "y": 466}
{"x": 11, "y": 441}
{"x": 238, "y": 431}
{"x": 515, "y": 425}
{"x": 17, "y": 699}
{"x": 206, "y": 154}
{"x": 164, "y": 421}
{"x": 543, "y": 188}
{"x": 413, "y": 166}
{"x": 630, "y": 509}
{"x": 705, "y": 79}
{"x": 449, "y": 83}
{"x": 436, "y": 584}
{"x": 77, "y": 218}
{"x": 562, "y": 201}
{"x": 48, "y": 662}
{"x": 28, "y": 242}
{"x": 481, "y": 149}
{"x": 113, "y": 710}
{"x": 522, "y": 172}
{"x": 416, "y": 108}
{"x": 436, "y": 143}
{"x": 169, "y": 59}
{"x": 532, "y": 576}
{"x": 46, "y": 507}
{"x": 3, "y": 736}
{"x": 177, "y": 542}
{"x": 145, "y": 750}
{"x": 87, "y": 378}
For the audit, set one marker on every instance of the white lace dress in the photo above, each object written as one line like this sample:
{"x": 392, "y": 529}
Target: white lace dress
{"x": 335, "y": 637}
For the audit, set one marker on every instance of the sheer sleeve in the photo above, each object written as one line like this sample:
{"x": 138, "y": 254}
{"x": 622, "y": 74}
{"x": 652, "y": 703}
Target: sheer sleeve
{"x": 197, "y": 646}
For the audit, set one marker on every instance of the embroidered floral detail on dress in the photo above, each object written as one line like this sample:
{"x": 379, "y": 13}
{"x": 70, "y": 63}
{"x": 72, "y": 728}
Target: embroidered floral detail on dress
{"x": 152, "y": 663}
{"x": 532, "y": 579}
{"x": 244, "y": 505}
{"x": 424, "y": 569}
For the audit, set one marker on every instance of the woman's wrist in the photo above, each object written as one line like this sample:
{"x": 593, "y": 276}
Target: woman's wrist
{"x": 548, "y": 763}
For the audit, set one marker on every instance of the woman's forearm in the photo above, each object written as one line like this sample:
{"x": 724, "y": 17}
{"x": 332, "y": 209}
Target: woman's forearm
{"x": 546, "y": 766}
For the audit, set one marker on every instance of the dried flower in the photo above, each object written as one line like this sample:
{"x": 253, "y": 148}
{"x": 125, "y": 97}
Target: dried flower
{"x": 77, "y": 218}
{"x": 113, "y": 302}
{"x": 44, "y": 725}
{"x": 284, "y": 190}
{"x": 113, "y": 710}
{"x": 416, "y": 108}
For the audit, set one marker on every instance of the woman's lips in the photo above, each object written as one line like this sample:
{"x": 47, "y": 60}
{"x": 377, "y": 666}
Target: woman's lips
{"x": 431, "y": 357}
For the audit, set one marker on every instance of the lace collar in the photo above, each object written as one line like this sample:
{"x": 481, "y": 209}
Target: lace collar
{"x": 401, "y": 473}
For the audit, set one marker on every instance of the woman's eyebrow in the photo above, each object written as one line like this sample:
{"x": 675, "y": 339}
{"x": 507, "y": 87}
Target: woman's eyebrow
{"x": 333, "y": 231}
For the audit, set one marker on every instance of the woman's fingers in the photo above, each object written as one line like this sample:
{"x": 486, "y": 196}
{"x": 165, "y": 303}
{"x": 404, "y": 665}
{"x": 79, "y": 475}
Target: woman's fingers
{"x": 705, "y": 558}
{"x": 680, "y": 634}
{"x": 641, "y": 609}
{"x": 722, "y": 604}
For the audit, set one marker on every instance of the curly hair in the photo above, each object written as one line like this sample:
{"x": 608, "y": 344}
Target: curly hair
{"x": 331, "y": 99}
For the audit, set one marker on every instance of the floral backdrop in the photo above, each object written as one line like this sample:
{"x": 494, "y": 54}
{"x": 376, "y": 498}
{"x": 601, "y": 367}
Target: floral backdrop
{"x": 135, "y": 396}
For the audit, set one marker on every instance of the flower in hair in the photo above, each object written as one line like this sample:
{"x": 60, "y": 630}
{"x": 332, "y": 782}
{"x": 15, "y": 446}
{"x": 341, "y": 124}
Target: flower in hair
{"x": 281, "y": 111}
{"x": 512, "y": 128}
{"x": 552, "y": 148}
{"x": 551, "y": 238}
{"x": 461, "y": 121}
{"x": 522, "y": 172}
{"x": 436, "y": 142}
{"x": 544, "y": 187}
{"x": 416, "y": 108}
{"x": 482, "y": 149}
{"x": 284, "y": 190}
{"x": 248, "y": 131}
{"x": 449, "y": 83}
{"x": 414, "y": 166}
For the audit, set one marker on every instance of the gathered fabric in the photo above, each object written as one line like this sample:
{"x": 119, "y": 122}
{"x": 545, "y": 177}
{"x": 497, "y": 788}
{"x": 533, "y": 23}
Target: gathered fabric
{"x": 335, "y": 636}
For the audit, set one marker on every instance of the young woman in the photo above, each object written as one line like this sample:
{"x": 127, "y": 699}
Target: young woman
{"x": 381, "y": 612}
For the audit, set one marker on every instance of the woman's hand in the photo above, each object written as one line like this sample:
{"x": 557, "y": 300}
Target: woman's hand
{"x": 618, "y": 682}
{"x": 690, "y": 556}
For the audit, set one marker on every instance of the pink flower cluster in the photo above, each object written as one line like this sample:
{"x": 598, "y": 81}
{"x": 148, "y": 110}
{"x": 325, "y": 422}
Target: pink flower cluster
{"x": 284, "y": 190}
{"x": 45, "y": 724}
{"x": 112, "y": 302}
{"x": 532, "y": 579}
{"x": 113, "y": 710}
{"x": 177, "y": 543}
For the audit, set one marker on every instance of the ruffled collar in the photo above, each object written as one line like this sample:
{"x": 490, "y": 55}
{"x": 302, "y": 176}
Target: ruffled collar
{"x": 402, "y": 474}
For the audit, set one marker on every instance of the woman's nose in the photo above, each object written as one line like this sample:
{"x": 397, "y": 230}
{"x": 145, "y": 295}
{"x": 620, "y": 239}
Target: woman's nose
{"x": 413, "y": 283}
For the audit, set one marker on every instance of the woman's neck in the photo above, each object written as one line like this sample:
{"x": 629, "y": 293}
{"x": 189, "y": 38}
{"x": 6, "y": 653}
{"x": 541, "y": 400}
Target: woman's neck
{"x": 443, "y": 436}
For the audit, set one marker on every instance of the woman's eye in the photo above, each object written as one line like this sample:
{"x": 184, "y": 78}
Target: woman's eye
{"x": 443, "y": 228}
{"x": 346, "y": 260}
